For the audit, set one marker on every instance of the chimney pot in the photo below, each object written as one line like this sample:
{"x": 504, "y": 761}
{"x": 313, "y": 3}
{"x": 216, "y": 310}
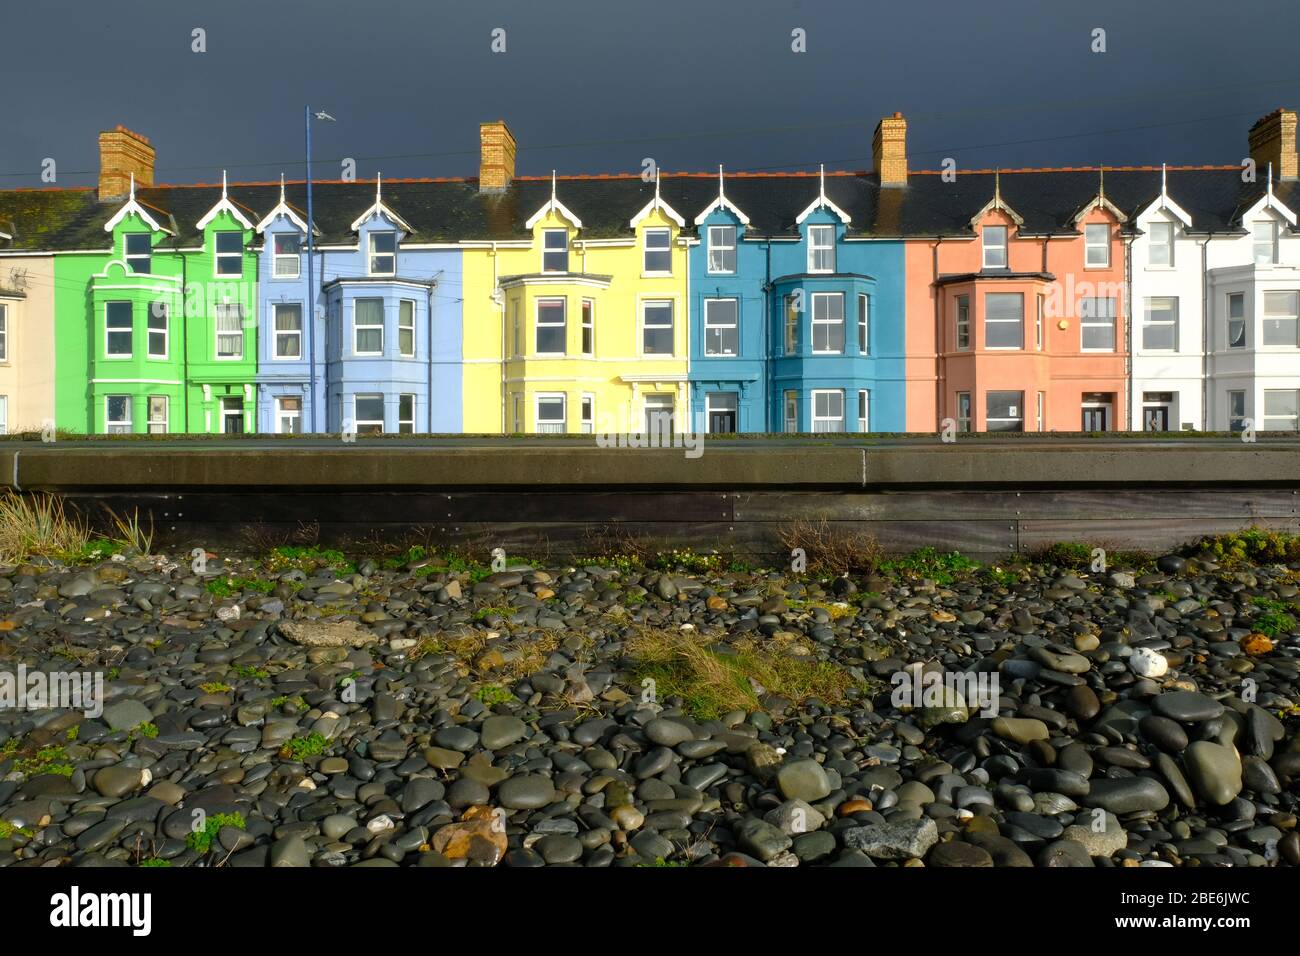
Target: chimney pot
{"x": 123, "y": 153}
{"x": 496, "y": 166}
{"x": 889, "y": 150}
{"x": 1272, "y": 140}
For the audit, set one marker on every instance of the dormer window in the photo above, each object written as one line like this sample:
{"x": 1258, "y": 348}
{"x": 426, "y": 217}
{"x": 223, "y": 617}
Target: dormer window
{"x": 658, "y": 252}
{"x": 139, "y": 249}
{"x": 555, "y": 250}
{"x": 821, "y": 248}
{"x": 1096, "y": 245}
{"x": 995, "y": 247}
{"x": 383, "y": 253}
{"x": 230, "y": 253}
{"x": 722, "y": 250}
{"x": 1265, "y": 239}
{"x": 1160, "y": 248}
{"x": 287, "y": 247}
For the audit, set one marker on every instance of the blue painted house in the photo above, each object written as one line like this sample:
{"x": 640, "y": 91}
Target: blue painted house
{"x": 387, "y": 335}
{"x": 797, "y": 320}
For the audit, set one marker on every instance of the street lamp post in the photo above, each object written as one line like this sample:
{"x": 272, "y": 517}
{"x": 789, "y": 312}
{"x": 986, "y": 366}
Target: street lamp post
{"x": 311, "y": 275}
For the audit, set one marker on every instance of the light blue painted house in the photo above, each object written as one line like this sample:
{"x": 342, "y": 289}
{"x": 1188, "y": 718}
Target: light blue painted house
{"x": 387, "y": 338}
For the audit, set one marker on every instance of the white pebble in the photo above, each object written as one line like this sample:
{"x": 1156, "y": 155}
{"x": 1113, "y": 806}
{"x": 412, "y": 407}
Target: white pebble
{"x": 1147, "y": 663}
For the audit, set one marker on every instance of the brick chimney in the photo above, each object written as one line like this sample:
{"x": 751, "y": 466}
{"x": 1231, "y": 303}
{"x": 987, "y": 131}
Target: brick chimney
{"x": 889, "y": 151}
{"x": 121, "y": 153}
{"x": 1272, "y": 140}
{"x": 496, "y": 166}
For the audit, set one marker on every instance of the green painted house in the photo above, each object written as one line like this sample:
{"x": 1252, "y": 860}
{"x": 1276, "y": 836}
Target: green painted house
{"x": 155, "y": 319}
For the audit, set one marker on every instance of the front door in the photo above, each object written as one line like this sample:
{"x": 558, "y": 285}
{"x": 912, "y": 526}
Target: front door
{"x": 232, "y": 416}
{"x": 1096, "y": 418}
{"x": 1155, "y": 418}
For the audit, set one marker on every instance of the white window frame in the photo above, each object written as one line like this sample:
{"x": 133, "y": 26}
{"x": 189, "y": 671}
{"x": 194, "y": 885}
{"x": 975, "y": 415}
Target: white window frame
{"x": 373, "y": 254}
{"x": 819, "y": 420}
{"x": 1166, "y": 243}
{"x": 562, "y": 249}
{"x": 790, "y": 339}
{"x": 123, "y": 426}
{"x": 562, "y": 325}
{"x": 588, "y": 413}
{"x": 284, "y": 258}
{"x": 961, "y": 323}
{"x": 549, "y": 428}
{"x": 217, "y": 333}
{"x": 129, "y": 329}
{"x": 1040, "y": 410}
{"x": 1039, "y": 306}
{"x": 283, "y": 415}
{"x": 150, "y": 331}
{"x": 358, "y": 328}
{"x": 220, "y": 258}
{"x": 864, "y": 411}
{"x": 1245, "y": 325}
{"x": 711, "y": 324}
{"x": 406, "y": 423}
{"x": 242, "y": 414}
{"x": 646, "y": 305}
{"x": 153, "y": 424}
{"x": 409, "y": 305}
{"x": 994, "y": 241}
{"x": 647, "y": 250}
{"x": 964, "y": 421}
{"x": 790, "y": 411}
{"x": 278, "y": 334}
{"x": 131, "y": 257}
{"x": 1293, "y": 419}
{"x": 1171, "y": 323}
{"x": 864, "y": 324}
{"x": 4, "y": 331}
{"x": 1233, "y": 418}
{"x": 1091, "y": 245}
{"x": 1291, "y": 317}
{"x": 721, "y": 244}
{"x": 1270, "y": 227}
{"x": 517, "y": 327}
{"x": 988, "y": 322}
{"x": 358, "y": 424}
{"x": 820, "y": 245}
{"x": 4, "y": 414}
{"x": 589, "y": 327}
{"x": 1089, "y": 320}
{"x": 1020, "y": 404}
{"x": 827, "y": 324}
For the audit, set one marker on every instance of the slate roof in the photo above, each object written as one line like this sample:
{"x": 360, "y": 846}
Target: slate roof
{"x": 452, "y": 210}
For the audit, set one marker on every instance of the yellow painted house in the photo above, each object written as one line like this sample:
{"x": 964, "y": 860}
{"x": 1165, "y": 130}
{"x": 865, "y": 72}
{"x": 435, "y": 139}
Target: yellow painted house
{"x": 575, "y": 318}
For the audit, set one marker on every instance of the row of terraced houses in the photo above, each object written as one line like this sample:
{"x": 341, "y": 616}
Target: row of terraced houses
{"x": 892, "y": 300}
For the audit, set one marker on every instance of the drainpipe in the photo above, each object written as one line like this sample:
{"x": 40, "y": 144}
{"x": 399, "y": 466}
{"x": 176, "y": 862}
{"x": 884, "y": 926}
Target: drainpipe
{"x": 185, "y": 328}
{"x": 769, "y": 376}
{"x": 1128, "y": 330}
{"x": 429, "y": 378}
{"x": 940, "y": 361}
{"x": 1205, "y": 334}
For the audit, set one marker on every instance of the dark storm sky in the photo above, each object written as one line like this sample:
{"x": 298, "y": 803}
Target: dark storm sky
{"x": 596, "y": 85}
